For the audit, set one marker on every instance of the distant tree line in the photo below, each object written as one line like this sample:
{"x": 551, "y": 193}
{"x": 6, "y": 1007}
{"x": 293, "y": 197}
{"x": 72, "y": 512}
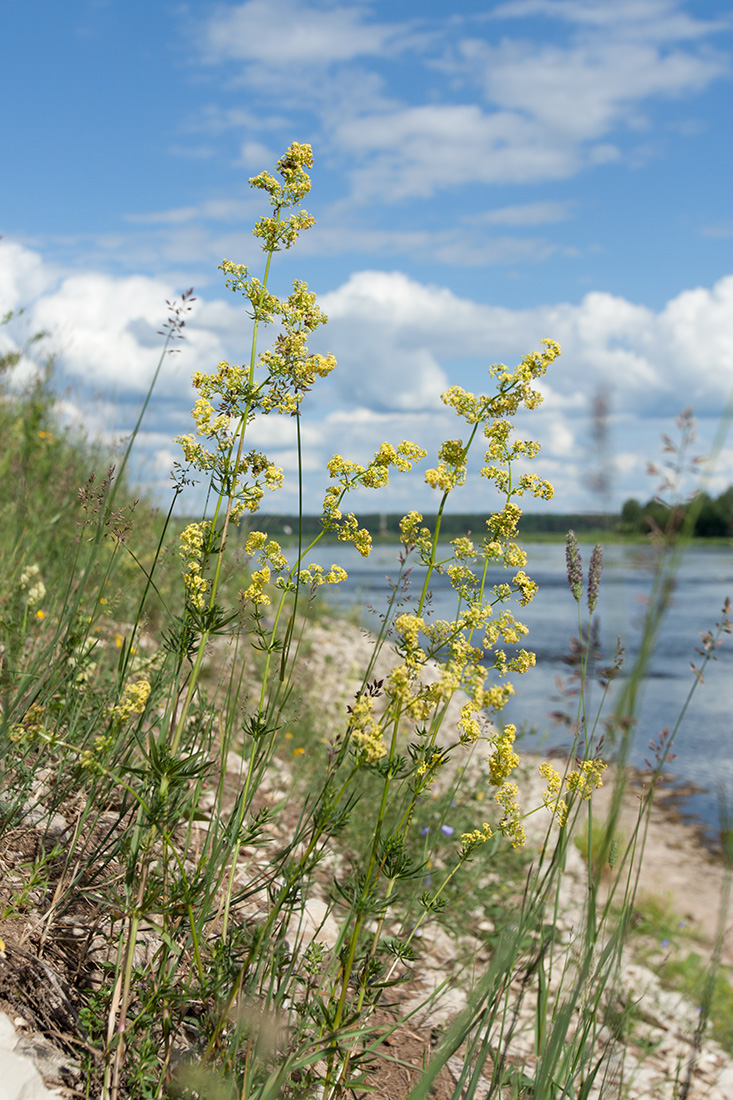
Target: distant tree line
{"x": 388, "y": 524}
{"x": 714, "y": 518}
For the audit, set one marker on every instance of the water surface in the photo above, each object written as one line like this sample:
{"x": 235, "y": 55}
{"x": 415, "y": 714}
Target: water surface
{"x": 704, "y": 742}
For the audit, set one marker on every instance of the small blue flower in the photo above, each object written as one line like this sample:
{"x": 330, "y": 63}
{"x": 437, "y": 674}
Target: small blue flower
{"x": 425, "y": 831}
{"x": 447, "y": 830}
{"x": 665, "y": 943}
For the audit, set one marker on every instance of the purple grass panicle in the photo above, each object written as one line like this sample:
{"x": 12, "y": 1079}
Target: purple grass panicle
{"x": 574, "y": 566}
{"x": 594, "y": 576}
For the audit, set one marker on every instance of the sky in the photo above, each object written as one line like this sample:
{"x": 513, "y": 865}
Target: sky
{"x": 486, "y": 175}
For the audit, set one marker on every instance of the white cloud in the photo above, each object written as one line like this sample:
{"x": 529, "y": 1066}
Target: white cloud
{"x": 526, "y": 213}
{"x": 550, "y": 113}
{"x": 224, "y": 209}
{"x": 507, "y": 104}
{"x": 385, "y": 325}
{"x": 399, "y": 343}
{"x": 659, "y": 20}
{"x": 291, "y": 32}
{"x": 23, "y": 276}
{"x": 584, "y": 91}
{"x": 419, "y": 150}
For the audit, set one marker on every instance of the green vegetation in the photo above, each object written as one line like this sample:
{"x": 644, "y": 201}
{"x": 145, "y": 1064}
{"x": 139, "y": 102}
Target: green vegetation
{"x": 712, "y": 518}
{"x": 690, "y": 975}
{"x": 251, "y": 849}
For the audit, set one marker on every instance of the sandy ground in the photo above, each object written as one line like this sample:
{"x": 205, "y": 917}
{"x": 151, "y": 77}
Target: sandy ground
{"x": 679, "y": 864}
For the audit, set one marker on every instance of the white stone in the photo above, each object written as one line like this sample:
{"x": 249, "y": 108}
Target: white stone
{"x": 19, "y": 1078}
{"x": 314, "y": 923}
{"x": 724, "y": 1082}
{"x": 8, "y": 1038}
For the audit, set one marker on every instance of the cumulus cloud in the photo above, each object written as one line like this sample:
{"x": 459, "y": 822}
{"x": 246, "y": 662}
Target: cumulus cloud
{"x": 649, "y": 358}
{"x": 581, "y": 92}
{"x": 290, "y": 32}
{"x": 417, "y": 151}
{"x": 23, "y": 275}
{"x": 399, "y": 342}
{"x": 534, "y": 107}
{"x": 549, "y": 110}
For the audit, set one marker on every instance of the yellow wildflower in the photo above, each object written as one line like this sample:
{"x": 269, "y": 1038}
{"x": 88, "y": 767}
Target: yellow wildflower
{"x": 504, "y": 760}
{"x": 133, "y": 701}
{"x": 366, "y": 735}
{"x": 254, "y": 592}
{"x": 587, "y": 778}
{"x": 472, "y": 840}
{"x": 510, "y": 825}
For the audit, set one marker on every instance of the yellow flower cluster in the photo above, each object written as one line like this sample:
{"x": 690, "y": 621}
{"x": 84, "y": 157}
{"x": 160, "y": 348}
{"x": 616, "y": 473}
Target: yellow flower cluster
{"x": 506, "y": 627}
{"x": 195, "y": 453}
{"x": 264, "y": 305}
{"x": 291, "y": 370}
{"x": 268, "y": 550}
{"x": 461, "y": 665}
{"x": 366, "y": 735}
{"x": 514, "y": 389}
{"x": 498, "y": 696}
{"x": 462, "y": 579}
{"x": 413, "y": 534}
{"x": 348, "y": 530}
{"x": 445, "y": 477}
{"x": 451, "y": 469}
{"x": 551, "y": 795}
{"x": 463, "y": 548}
{"x": 275, "y": 232}
{"x": 401, "y": 457}
{"x": 503, "y": 525}
{"x": 473, "y": 409}
{"x": 470, "y": 841}
{"x": 409, "y": 627}
{"x": 229, "y": 387}
{"x": 207, "y": 422}
{"x": 583, "y": 781}
{"x": 500, "y": 448}
{"x": 375, "y": 475}
{"x": 522, "y": 662}
{"x": 92, "y": 759}
{"x": 254, "y": 592}
{"x": 527, "y": 483}
{"x": 503, "y": 760}
{"x": 588, "y": 778}
{"x": 428, "y": 768}
{"x": 475, "y": 615}
{"x": 314, "y": 575}
{"x": 510, "y": 824}
{"x": 192, "y": 548}
{"x": 468, "y": 726}
{"x": 134, "y": 700}
{"x": 531, "y": 483}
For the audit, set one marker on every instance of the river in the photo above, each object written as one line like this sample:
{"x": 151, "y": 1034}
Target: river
{"x": 704, "y": 741}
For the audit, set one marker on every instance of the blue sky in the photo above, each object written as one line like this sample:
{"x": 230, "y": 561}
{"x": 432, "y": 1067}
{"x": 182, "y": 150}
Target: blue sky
{"x": 486, "y": 175}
